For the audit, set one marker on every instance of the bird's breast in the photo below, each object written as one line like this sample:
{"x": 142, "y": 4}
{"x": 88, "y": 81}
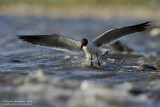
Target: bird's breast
{"x": 90, "y": 49}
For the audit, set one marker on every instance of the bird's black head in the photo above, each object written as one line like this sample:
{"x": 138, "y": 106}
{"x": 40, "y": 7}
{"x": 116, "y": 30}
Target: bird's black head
{"x": 84, "y": 42}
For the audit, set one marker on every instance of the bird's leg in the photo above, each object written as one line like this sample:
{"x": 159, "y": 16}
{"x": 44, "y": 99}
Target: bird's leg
{"x": 91, "y": 60}
{"x": 98, "y": 60}
{"x": 104, "y": 54}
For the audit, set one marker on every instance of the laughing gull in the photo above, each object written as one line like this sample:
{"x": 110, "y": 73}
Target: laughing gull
{"x": 91, "y": 48}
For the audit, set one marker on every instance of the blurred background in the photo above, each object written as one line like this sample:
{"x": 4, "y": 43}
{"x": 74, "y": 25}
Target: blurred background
{"x": 99, "y": 9}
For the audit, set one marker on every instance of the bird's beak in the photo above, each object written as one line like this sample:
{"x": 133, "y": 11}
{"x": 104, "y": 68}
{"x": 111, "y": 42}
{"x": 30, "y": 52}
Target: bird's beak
{"x": 81, "y": 48}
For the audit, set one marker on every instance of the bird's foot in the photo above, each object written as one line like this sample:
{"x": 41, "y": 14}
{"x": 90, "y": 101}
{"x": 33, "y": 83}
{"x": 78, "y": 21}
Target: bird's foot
{"x": 91, "y": 64}
{"x": 91, "y": 59}
{"x": 99, "y": 64}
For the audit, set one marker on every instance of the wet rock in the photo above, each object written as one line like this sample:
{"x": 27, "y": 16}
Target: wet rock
{"x": 146, "y": 67}
{"x": 136, "y": 91}
{"x": 15, "y": 61}
{"x": 106, "y": 75}
{"x": 123, "y": 70}
{"x": 157, "y": 67}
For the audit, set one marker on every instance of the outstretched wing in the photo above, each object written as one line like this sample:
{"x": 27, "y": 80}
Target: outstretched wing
{"x": 55, "y": 41}
{"x": 113, "y": 34}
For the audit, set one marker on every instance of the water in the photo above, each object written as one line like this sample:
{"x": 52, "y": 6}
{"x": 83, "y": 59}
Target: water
{"x": 41, "y": 76}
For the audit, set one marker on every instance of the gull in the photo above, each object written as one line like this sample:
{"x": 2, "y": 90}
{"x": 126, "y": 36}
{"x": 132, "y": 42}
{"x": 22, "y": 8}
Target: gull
{"x": 91, "y": 48}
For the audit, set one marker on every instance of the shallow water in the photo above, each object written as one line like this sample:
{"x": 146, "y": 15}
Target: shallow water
{"x": 45, "y": 77}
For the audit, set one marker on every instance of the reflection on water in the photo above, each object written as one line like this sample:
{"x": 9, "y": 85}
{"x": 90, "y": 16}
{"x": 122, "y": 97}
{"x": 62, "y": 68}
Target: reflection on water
{"x": 53, "y": 78}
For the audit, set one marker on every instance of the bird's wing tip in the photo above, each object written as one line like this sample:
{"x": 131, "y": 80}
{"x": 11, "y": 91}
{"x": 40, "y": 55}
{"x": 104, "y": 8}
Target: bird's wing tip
{"x": 148, "y": 23}
{"x": 26, "y": 38}
{"x": 21, "y": 37}
{"x": 142, "y": 26}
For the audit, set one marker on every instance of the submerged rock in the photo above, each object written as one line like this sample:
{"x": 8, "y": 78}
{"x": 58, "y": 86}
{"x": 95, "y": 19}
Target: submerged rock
{"x": 146, "y": 67}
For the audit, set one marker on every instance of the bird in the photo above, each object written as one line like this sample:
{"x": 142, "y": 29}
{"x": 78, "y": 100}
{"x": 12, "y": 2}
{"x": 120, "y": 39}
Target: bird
{"x": 90, "y": 48}
{"x": 120, "y": 47}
